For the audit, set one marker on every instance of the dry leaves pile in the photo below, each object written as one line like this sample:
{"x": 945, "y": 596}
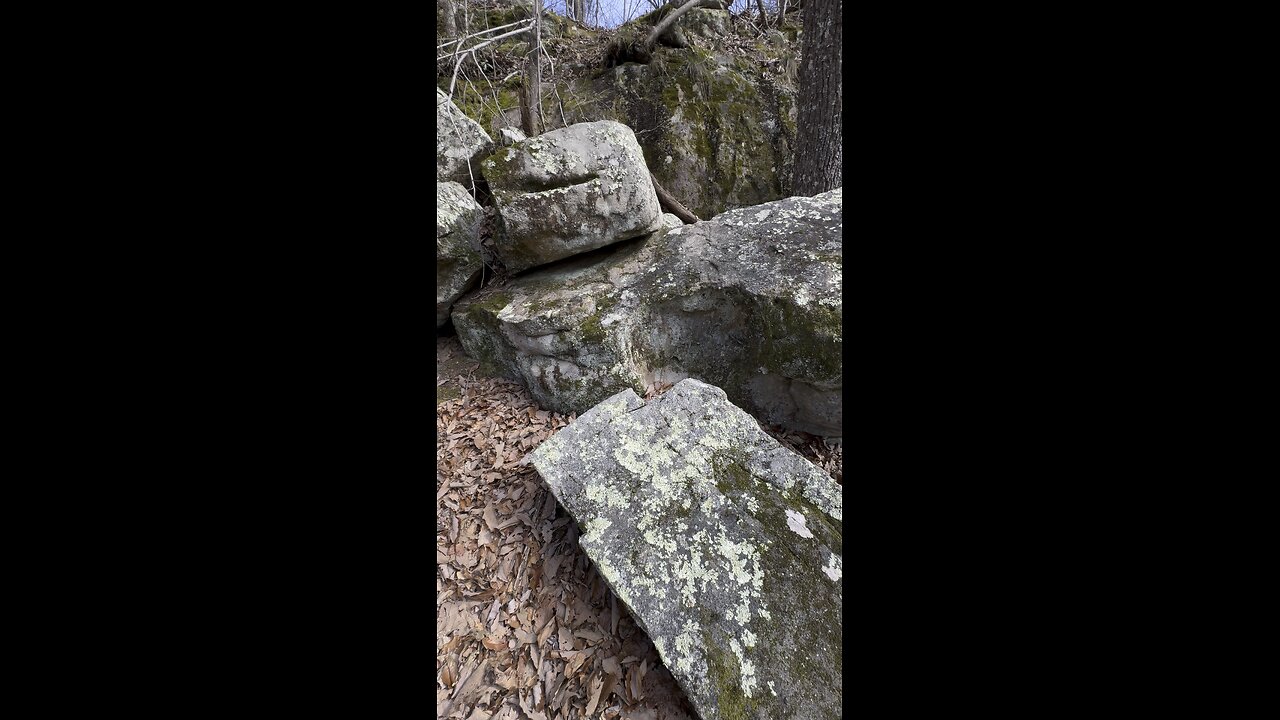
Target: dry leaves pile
{"x": 813, "y": 448}
{"x": 525, "y": 626}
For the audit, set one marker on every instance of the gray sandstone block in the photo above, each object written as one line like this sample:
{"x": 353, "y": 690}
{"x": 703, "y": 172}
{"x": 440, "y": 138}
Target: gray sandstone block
{"x": 725, "y": 545}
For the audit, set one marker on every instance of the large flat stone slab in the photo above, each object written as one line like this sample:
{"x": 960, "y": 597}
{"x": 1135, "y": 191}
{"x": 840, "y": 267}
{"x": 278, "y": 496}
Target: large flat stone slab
{"x": 749, "y": 301}
{"x": 725, "y": 545}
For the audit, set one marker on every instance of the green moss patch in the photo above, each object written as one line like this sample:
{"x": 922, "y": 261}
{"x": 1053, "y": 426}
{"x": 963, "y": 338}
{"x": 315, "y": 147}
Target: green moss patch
{"x": 725, "y": 673}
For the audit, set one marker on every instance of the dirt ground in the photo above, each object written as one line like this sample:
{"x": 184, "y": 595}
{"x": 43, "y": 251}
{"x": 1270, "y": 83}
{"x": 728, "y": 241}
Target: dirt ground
{"x": 525, "y": 626}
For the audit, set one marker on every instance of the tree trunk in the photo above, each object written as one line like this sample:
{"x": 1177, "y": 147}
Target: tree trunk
{"x": 531, "y": 108}
{"x": 819, "y": 119}
{"x": 445, "y": 8}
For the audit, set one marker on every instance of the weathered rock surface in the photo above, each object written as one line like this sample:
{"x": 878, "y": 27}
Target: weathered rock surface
{"x": 671, "y": 221}
{"x": 716, "y": 121}
{"x": 459, "y": 139}
{"x": 509, "y": 136}
{"x": 718, "y": 128}
{"x": 457, "y": 262}
{"x": 696, "y": 27}
{"x": 569, "y": 191}
{"x": 726, "y": 546}
{"x": 749, "y": 301}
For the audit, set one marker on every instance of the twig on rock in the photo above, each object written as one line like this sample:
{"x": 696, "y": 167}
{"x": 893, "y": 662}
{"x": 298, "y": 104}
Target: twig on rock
{"x": 672, "y": 205}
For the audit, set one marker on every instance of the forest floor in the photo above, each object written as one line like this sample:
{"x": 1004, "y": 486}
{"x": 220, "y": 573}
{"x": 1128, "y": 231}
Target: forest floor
{"x": 525, "y": 625}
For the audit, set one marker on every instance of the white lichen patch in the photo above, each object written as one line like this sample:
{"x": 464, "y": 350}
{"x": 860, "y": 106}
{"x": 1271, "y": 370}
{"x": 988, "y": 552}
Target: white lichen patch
{"x": 748, "y": 668}
{"x": 832, "y": 568}
{"x": 738, "y": 554}
{"x": 658, "y": 540}
{"x": 693, "y": 574}
{"x": 595, "y": 529}
{"x": 661, "y": 647}
{"x": 549, "y": 451}
{"x": 605, "y": 495}
{"x": 796, "y": 522}
{"x": 686, "y": 642}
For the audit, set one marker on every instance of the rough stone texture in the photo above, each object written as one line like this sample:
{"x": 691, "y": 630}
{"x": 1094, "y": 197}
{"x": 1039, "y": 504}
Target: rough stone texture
{"x": 458, "y": 139}
{"x": 569, "y": 191}
{"x": 699, "y": 26}
{"x": 749, "y": 301}
{"x": 671, "y": 221}
{"x": 717, "y": 128}
{"x": 509, "y": 136}
{"x": 726, "y": 546}
{"x": 457, "y": 262}
{"x": 716, "y": 121}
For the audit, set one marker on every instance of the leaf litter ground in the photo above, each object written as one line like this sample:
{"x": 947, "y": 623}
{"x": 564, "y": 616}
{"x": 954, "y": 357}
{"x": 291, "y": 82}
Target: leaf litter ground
{"x": 525, "y": 626}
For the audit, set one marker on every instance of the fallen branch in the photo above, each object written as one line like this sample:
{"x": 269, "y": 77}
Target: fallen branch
{"x": 667, "y": 21}
{"x": 672, "y": 205}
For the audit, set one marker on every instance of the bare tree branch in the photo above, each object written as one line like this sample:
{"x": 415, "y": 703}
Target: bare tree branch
{"x": 490, "y": 41}
{"x": 480, "y": 34}
{"x": 555, "y": 87}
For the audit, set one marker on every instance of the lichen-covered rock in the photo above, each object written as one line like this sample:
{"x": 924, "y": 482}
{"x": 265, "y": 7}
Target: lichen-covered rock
{"x": 726, "y": 546}
{"x": 509, "y": 136}
{"x": 716, "y": 121}
{"x": 718, "y": 128}
{"x": 459, "y": 140}
{"x": 671, "y": 221}
{"x": 569, "y": 191}
{"x": 696, "y": 27}
{"x": 457, "y": 262}
{"x": 749, "y": 301}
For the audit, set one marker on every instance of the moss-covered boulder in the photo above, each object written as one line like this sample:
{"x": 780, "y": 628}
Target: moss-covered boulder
{"x": 749, "y": 302}
{"x": 457, "y": 262}
{"x": 716, "y": 120}
{"x": 717, "y": 123}
{"x": 699, "y": 26}
{"x": 726, "y": 547}
{"x": 570, "y": 191}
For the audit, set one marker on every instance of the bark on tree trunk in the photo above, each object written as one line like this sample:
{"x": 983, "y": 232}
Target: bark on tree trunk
{"x": 531, "y": 108}
{"x": 445, "y": 7}
{"x": 819, "y": 119}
